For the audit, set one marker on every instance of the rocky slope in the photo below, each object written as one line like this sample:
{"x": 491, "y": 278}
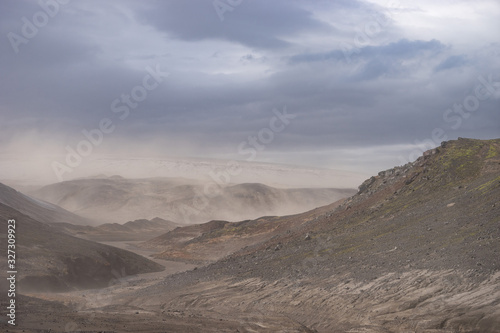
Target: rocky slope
{"x": 416, "y": 249}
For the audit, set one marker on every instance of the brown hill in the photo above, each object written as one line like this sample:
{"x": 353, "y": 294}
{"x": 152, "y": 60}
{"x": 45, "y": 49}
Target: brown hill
{"x": 117, "y": 199}
{"x": 416, "y": 249}
{"x": 49, "y": 260}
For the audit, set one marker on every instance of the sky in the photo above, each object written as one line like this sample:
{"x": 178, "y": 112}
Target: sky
{"x": 350, "y": 85}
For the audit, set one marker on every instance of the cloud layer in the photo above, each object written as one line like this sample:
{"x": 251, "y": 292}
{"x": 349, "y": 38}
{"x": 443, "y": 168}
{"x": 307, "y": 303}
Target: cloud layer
{"x": 367, "y": 82}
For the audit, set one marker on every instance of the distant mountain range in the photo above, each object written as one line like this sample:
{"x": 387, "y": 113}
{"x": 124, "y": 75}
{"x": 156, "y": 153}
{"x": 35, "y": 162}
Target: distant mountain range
{"x": 184, "y": 201}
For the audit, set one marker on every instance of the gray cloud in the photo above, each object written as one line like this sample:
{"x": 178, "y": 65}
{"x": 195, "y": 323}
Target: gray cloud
{"x": 401, "y": 49}
{"x": 257, "y": 24}
{"x": 453, "y": 61}
{"x": 227, "y": 76}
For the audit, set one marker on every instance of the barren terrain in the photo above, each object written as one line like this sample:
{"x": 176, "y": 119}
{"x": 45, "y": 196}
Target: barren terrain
{"x": 49, "y": 260}
{"x": 416, "y": 249}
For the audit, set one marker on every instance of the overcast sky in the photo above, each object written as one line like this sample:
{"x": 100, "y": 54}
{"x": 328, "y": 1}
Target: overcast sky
{"x": 362, "y": 81}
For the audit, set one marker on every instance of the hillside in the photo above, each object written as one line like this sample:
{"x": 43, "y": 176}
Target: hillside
{"x": 38, "y": 209}
{"x": 416, "y": 249}
{"x": 184, "y": 201}
{"x": 48, "y": 260}
{"x": 130, "y": 231}
{"x": 211, "y": 241}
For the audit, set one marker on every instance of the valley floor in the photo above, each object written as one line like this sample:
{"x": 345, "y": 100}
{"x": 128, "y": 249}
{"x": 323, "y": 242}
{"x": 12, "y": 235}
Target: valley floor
{"x": 105, "y": 310}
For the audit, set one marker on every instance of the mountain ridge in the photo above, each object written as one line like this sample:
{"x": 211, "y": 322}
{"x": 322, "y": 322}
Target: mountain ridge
{"x": 182, "y": 201}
